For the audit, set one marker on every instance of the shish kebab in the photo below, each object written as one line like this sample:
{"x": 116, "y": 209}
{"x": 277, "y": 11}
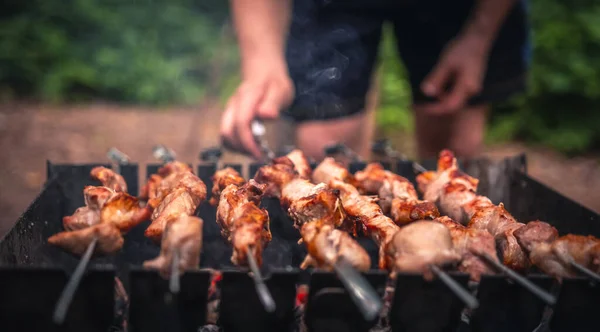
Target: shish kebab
{"x": 316, "y": 211}
{"x": 419, "y": 247}
{"x": 96, "y": 228}
{"x": 243, "y": 223}
{"x": 520, "y": 244}
{"x": 476, "y": 246}
{"x": 175, "y": 193}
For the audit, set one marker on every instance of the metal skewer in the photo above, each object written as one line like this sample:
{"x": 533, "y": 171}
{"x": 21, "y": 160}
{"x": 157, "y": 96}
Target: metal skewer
{"x": 65, "y": 299}
{"x": 360, "y": 291}
{"x": 338, "y": 148}
{"x": 384, "y": 147}
{"x": 261, "y": 288}
{"x": 469, "y": 300}
{"x": 531, "y": 287}
{"x": 584, "y": 270}
{"x": 259, "y": 131}
{"x": 264, "y": 295}
{"x": 174, "y": 285}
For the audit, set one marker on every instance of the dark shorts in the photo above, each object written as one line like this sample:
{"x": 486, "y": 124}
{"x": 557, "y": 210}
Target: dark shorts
{"x": 332, "y": 49}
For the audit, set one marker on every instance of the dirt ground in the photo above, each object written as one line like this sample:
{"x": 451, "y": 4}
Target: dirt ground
{"x": 32, "y": 134}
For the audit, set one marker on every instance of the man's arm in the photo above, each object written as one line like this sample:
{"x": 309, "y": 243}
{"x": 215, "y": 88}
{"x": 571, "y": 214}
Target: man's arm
{"x": 487, "y": 18}
{"x": 266, "y": 88}
{"x": 463, "y": 62}
{"x": 261, "y": 27}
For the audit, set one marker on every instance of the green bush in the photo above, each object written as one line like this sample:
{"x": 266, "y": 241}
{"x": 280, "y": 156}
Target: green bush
{"x": 152, "y": 52}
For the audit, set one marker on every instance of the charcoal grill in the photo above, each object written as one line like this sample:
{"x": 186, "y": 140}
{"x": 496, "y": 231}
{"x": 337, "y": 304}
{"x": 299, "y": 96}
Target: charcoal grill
{"x": 32, "y": 273}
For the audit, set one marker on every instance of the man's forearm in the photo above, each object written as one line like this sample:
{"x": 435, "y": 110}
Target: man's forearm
{"x": 262, "y": 27}
{"x": 487, "y": 18}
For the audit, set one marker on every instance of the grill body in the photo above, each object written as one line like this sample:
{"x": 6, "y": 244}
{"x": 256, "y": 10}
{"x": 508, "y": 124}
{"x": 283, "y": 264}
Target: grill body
{"x": 34, "y": 273}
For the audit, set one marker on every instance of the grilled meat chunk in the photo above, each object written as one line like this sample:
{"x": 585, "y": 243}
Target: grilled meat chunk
{"x": 330, "y": 169}
{"x": 88, "y": 215}
{"x": 306, "y": 202}
{"x": 327, "y": 245}
{"x": 301, "y": 164}
{"x": 176, "y": 203}
{"x": 502, "y": 225}
{"x": 453, "y": 190}
{"x": 76, "y": 242}
{"x": 421, "y": 244}
{"x": 369, "y": 216}
{"x": 242, "y": 222}
{"x": 124, "y": 211}
{"x": 174, "y": 167}
{"x": 555, "y": 258}
{"x": 398, "y": 196}
{"x": 96, "y": 197}
{"x": 184, "y": 236}
{"x": 191, "y": 182}
{"x": 109, "y": 178}
{"x": 471, "y": 243}
{"x": 276, "y": 175}
{"x": 223, "y": 178}
{"x": 535, "y": 232}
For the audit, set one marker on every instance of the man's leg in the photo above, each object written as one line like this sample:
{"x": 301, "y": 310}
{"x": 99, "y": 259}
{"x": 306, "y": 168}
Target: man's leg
{"x": 461, "y": 132}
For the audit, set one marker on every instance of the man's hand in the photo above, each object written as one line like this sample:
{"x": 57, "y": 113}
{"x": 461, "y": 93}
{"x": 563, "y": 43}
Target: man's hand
{"x": 263, "y": 93}
{"x": 461, "y": 67}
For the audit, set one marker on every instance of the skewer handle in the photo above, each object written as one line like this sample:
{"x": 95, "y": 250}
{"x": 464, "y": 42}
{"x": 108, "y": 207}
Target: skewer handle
{"x": 174, "y": 284}
{"x": 259, "y": 131}
{"x": 360, "y": 291}
{"x": 341, "y": 148}
{"x": 116, "y": 156}
{"x": 65, "y": 299}
{"x": 211, "y": 154}
{"x": 261, "y": 289}
{"x": 543, "y": 295}
{"x": 468, "y": 299}
{"x": 384, "y": 147}
{"x": 163, "y": 153}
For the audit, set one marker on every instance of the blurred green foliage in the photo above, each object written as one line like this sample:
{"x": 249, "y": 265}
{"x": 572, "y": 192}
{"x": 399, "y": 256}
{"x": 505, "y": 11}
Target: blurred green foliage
{"x": 143, "y": 51}
{"x": 179, "y": 51}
